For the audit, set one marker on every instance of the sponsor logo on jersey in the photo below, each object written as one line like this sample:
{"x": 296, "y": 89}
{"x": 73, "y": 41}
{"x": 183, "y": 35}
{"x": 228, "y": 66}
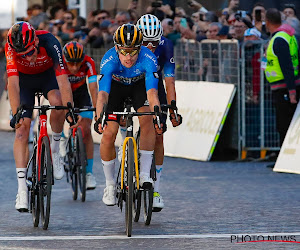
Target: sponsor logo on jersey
{"x": 127, "y": 80}
{"x": 153, "y": 58}
{"x": 60, "y": 60}
{"x": 11, "y": 70}
{"x": 172, "y": 60}
{"x": 100, "y": 77}
{"x": 112, "y": 117}
{"x": 106, "y": 61}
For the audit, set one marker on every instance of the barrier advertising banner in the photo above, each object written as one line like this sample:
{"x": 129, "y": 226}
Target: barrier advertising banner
{"x": 204, "y": 107}
{"x": 288, "y": 160}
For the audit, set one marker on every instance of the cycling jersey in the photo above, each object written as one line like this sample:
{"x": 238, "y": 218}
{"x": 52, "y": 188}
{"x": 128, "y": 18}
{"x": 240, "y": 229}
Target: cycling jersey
{"x": 165, "y": 57}
{"x": 49, "y": 55}
{"x": 88, "y": 69}
{"x": 145, "y": 67}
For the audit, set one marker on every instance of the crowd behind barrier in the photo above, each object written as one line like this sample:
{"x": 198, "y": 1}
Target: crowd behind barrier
{"x": 209, "y": 46}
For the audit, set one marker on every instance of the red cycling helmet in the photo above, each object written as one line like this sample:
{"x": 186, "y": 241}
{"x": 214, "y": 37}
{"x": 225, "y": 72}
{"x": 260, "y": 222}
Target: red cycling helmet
{"x": 21, "y": 36}
{"x": 73, "y": 52}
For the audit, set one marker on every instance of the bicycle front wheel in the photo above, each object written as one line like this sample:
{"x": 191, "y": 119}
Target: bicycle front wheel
{"x": 33, "y": 190}
{"x": 81, "y": 163}
{"x": 45, "y": 182}
{"x": 129, "y": 188}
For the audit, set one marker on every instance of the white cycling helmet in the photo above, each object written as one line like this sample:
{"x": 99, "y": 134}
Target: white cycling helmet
{"x": 151, "y": 27}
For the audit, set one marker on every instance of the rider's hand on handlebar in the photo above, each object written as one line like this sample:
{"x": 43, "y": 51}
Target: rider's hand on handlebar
{"x": 173, "y": 120}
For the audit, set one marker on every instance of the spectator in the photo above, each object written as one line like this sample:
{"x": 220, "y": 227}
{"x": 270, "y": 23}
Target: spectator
{"x": 295, "y": 23}
{"x": 196, "y": 6}
{"x": 258, "y": 19}
{"x": 122, "y": 17}
{"x": 239, "y": 30}
{"x": 57, "y": 13}
{"x": 289, "y": 10}
{"x": 169, "y": 32}
{"x": 67, "y": 29}
{"x": 223, "y": 33}
{"x": 37, "y": 16}
{"x": 282, "y": 70}
{"x": 101, "y": 15}
{"x": 232, "y": 7}
{"x": 213, "y": 30}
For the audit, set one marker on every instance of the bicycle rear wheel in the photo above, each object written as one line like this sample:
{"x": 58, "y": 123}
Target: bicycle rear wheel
{"x": 72, "y": 168}
{"x": 45, "y": 182}
{"x": 81, "y": 163}
{"x": 33, "y": 190}
{"x": 148, "y": 196}
{"x": 129, "y": 188}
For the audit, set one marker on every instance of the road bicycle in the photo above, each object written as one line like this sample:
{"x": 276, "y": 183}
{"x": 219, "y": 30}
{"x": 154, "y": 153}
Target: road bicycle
{"x": 75, "y": 161}
{"x": 39, "y": 178}
{"x": 127, "y": 183}
{"x": 145, "y": 196}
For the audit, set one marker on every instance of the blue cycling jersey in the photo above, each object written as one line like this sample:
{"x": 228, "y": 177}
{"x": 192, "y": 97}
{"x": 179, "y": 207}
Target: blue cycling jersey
{"x": 165, "y": 57}
{"x": 145, "y": 66}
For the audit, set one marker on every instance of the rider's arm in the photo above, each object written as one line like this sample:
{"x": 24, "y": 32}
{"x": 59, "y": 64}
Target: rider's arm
{"x": 65, "y": 89}
{"x": 92, "y": 79}
{"x": 14, "y": 93}
{"x": 101, "y": 100}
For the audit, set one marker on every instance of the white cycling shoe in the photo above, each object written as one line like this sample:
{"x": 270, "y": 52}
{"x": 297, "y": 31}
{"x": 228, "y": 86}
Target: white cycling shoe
{"x": 146, "y": 182}
{"x": 90, "y": 181}
{"x": 58, "y": 166}
{"x": 22, "y": 201}
{"x": 158, "y": 202}
{"x": 109, "y": 196}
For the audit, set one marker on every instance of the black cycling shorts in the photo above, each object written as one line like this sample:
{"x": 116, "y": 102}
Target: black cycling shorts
{"x": 120, "y": 92}
{"x": 81, "y": 97}
{"x": 30, "y": 84}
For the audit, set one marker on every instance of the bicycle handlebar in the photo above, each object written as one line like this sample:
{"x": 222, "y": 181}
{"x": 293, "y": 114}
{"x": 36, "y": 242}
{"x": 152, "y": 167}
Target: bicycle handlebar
{"x": 173, "y": 107}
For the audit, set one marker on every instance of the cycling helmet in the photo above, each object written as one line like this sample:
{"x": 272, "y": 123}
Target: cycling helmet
{"x": 21, "y": 36}
{"x": 73, "y": 52}
{"x": 129, "y": 36}
{"x": 151, "y": 27}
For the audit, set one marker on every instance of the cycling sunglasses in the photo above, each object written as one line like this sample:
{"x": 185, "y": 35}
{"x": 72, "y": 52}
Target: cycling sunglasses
{"x": 30, "y": 53}
{"x": 131, "y": 52}
{"x": 154, "y": 44}
{"x": 74, "y": 63}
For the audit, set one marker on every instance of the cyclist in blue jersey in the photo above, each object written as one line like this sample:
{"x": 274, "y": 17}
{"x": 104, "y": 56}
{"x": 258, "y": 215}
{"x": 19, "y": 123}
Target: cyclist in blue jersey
{"x": 163, "y": 50}
{"x": 127, "y": 70}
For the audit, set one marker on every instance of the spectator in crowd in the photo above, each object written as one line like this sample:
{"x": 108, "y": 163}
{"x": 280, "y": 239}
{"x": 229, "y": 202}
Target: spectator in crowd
{"x": 223, "y": 33}
{"x": 289, "y": 10}
{"x": 233, "y": 6}
{"x": 122, "y": 17}
{"x": 57, "y": 13}
{"x": 67, "y": 30}
{"x": 100, "y": 16}
{"x": 38, "y": 16}
{"x": 213, "y": 30}
{"x": 169, "y": 32}
{"x": 239, "y": 29}
{"x": 282, "y": 70}
{"x": 258, "y": 19}
{"x": 295, "y": 23}
{"x": 198, "y": 7}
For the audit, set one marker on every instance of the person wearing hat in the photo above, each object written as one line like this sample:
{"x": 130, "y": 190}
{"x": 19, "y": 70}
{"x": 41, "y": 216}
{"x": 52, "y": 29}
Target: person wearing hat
{"x": 223, "y": 33}
{"x": 252, "y": 34}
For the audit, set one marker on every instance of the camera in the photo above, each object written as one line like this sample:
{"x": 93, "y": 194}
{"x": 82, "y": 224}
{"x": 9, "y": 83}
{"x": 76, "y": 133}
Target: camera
{"x": 156, "y": 4}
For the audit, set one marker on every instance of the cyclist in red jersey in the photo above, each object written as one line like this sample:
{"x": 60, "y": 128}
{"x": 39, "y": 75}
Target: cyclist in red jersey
{"x": 35, "y": 63}
{"x": 79, "y": 66}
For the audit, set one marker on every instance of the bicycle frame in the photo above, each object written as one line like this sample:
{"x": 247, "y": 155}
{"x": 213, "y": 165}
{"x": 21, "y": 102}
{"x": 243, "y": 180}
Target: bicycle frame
{"x": 135, "y": 161}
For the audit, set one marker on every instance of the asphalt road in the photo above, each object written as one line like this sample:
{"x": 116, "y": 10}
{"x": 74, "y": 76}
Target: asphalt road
{"x": 208, "y": 205}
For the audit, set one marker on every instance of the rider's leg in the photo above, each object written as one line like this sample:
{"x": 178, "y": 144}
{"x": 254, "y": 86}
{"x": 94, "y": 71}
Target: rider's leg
{"x": 108, "y": 156}
{"x": 159, "y": 159}
{"x": 147, "y": 142}
{"x": 57, "y": 118}
{"x": 21, "y": 153}
{"x": 108, "y": 152}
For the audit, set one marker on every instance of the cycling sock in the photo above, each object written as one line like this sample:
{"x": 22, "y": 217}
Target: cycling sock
{"x": 122, "y": 131}
{"x": 21, "y": 175}
{"x": 158, "y": 175}
{"x": 89, "y": 167}
{"x": 55, "y": 142}
{"x": 146, "y": 161}
{"x": 109, "y": 171}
